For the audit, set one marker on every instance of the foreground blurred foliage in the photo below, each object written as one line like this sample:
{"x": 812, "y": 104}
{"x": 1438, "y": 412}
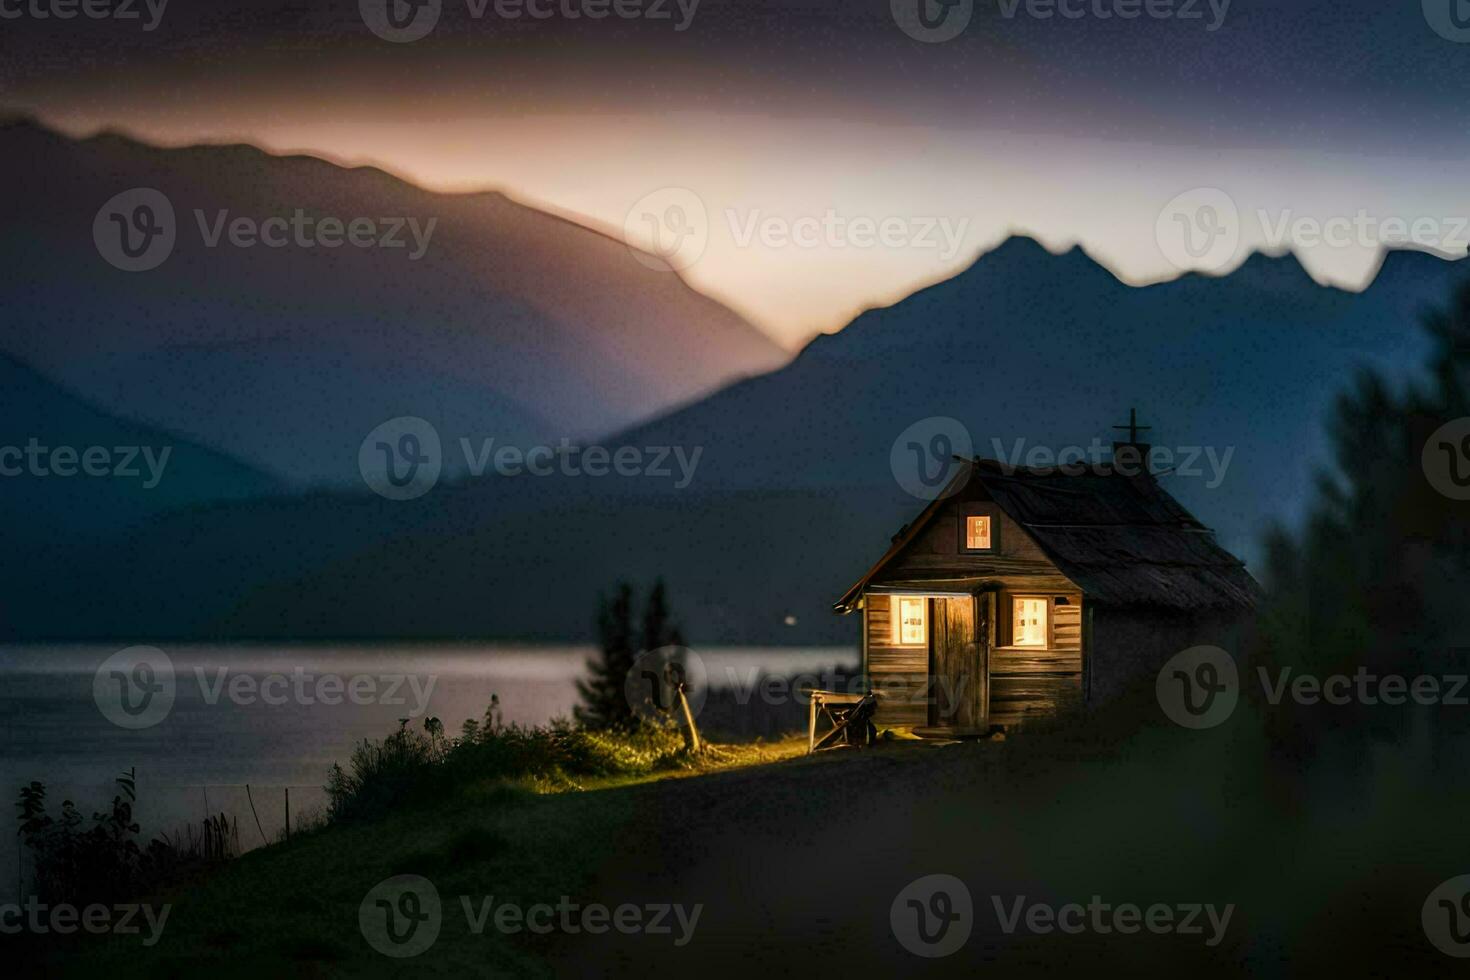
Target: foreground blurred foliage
{"x": 1378, "y": 576}
{"x": 80, "y": 862}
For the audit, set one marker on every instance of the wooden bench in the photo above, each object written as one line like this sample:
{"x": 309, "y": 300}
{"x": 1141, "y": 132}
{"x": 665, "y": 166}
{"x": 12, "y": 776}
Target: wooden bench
{"x": 851, "y": 716}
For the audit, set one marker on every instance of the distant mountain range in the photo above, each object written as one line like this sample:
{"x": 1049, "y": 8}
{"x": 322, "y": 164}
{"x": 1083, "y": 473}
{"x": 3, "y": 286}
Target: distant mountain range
{"x": 511, "y": 323}
{"x": 793, "y": 494}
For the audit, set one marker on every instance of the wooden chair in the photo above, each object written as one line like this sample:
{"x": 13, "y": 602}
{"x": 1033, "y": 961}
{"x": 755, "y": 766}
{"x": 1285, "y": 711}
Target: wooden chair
{"x": 851, "y": 716}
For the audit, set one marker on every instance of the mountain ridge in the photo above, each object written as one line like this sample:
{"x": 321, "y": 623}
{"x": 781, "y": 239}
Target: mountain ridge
{"x": 514, "y": 323}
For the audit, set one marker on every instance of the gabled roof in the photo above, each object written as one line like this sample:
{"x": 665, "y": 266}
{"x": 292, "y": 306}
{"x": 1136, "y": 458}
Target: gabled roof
{"x": 1121, "y": 538}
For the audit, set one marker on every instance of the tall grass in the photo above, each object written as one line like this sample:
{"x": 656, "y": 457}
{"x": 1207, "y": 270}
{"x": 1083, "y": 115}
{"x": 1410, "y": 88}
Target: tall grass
{"x": 421, "y": 765}
{"x": 77, "y": 861}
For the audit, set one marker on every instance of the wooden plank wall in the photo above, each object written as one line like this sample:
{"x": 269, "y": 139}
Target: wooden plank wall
{"x": 900, "y": 673}
{"x": 1019, "y": 684}
{"x": 1026, "y": 683}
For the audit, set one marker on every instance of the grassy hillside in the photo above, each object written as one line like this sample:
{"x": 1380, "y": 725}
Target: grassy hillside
{"x": 1323, "y": 863}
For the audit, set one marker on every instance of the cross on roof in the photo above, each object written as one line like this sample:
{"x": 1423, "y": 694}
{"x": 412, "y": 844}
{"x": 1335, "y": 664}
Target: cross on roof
{"x": 1133, "y": 427}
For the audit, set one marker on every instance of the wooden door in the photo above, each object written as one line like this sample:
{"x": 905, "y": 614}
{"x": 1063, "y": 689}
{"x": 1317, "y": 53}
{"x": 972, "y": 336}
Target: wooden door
{"x": 958, "y": 667}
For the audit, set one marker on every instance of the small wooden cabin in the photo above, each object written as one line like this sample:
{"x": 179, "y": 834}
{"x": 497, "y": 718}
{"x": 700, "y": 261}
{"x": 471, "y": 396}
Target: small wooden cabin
{"x": 1022, "y": 592}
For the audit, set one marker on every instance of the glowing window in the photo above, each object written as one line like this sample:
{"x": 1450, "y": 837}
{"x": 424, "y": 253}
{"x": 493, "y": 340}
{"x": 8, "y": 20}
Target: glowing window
{"x": 908, "y": 620}
{"x": 977, "y": 533}
{"x": 1030, "y": 622}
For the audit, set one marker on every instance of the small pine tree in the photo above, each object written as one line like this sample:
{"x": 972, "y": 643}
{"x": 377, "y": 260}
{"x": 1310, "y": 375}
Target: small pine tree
{"x": 603, "y": 702}
{"x": 658, "y": 628}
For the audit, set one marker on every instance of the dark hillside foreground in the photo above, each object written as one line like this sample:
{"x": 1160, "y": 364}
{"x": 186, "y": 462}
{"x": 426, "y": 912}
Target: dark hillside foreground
{"x": 805, "y": 858}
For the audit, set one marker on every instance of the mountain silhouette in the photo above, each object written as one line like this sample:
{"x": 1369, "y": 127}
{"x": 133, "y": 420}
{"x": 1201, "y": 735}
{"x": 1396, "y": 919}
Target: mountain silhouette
{"x": 793, "y": 495}
{"x": 512, "y": 324}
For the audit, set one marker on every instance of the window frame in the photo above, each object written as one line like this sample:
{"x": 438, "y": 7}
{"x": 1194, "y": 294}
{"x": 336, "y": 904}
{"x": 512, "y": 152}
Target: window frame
{"x": 1046, "y": 604}
{"x": 965, "y": 548}
{"x": 895, "y": 615}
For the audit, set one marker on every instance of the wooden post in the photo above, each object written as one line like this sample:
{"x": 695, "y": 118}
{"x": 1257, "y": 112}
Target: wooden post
{"x": 693, "y": 739}
{"x": 811, "y": 726}
{"x": 258, "y": 827}
{"x": 985, "y": 642}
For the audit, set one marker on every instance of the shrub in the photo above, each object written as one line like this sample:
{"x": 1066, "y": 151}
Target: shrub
{"x": 411, "y": 766}
{"x": 80, "y": 864}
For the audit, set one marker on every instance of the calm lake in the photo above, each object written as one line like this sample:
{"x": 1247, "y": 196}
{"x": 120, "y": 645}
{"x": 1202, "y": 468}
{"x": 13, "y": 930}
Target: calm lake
{"x": 263, "y": 716}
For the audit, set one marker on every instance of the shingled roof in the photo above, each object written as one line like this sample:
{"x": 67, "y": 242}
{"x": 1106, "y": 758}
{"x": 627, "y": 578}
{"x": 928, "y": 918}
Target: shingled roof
{"x": 1122, "y": 539}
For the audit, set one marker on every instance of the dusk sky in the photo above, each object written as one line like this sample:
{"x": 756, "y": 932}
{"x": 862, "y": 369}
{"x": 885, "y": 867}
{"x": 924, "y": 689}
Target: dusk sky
{"x": 821, "y": 113}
